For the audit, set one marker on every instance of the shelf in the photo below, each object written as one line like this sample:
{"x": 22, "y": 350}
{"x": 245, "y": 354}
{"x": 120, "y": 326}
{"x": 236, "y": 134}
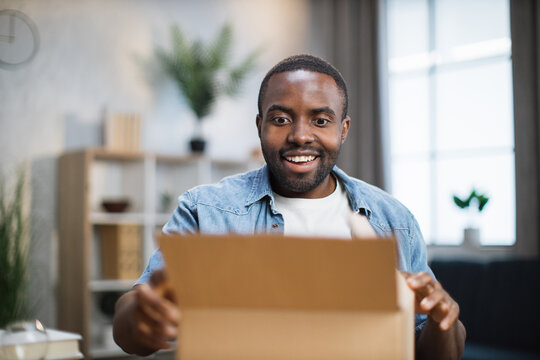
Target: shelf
{"x": 104, "y": 154}
{"x": 111, "y": 285}
{"x": 163, "y": 218}
{"x": 116, "y": 351}
{"x": 106, "y": 352}
{"x": 85, "y": 179}
{"x": 103, "y": 218}
{"x": 172, "y": 159}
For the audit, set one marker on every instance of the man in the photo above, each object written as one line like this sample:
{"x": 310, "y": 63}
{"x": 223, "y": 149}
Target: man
{"x": 302, "y": 124}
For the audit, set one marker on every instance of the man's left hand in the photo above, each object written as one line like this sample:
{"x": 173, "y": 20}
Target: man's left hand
{"x": 432, "y": 299}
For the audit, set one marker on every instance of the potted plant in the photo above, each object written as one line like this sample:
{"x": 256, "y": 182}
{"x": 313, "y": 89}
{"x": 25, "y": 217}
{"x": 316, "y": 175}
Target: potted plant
{"x": 14, "y": 247}
{"x": 475, "y": 202}
{"x": 203, "y": 73}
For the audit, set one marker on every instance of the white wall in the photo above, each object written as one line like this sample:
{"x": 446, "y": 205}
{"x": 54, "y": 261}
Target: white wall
{"x": 98, "y": 55}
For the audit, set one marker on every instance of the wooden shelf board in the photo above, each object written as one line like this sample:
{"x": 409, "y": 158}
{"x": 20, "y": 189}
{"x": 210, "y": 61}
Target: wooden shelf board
{"x": 105, "y": 352}
{"x": 110, "y": 285}
{"x": 103, "y": 218}
{"x": 163, "y": 218}
{"x": 102, "y": 153}
{"x": 177, "y": 159}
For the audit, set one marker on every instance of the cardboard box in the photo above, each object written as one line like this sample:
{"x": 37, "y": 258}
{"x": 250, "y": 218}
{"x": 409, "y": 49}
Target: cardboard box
{"x": 275, "y": 297}
{"x": 120, "y": 251}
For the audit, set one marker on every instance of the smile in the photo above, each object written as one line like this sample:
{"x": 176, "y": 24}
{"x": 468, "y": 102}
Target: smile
{"x": 300, "y": 159}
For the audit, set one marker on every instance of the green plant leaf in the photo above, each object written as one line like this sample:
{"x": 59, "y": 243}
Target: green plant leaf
{"x": 239, "y": 73}
{"x": 461, "y": 203}
{"x": 202, "y": 72}
{"x": 14, "y": 254}
{"x": 473, "y": 196}
{"x": 482, "y": 201}
{"x": 219, "y": 51}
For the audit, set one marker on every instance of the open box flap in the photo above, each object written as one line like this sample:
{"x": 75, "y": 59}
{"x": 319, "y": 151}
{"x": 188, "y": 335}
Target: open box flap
{"x": 268, "y": 271}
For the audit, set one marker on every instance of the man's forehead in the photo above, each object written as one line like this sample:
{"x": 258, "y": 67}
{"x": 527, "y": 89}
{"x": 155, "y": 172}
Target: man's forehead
{"x": 298, "y": 76}
{"x": 301, "y": 80}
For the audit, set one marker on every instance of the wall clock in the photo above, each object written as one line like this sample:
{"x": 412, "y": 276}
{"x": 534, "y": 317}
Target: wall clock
{"x": 19, "y": 39}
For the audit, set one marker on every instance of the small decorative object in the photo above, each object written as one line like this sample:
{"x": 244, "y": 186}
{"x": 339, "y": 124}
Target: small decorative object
{"x": 26, "y": 340}
{"x": 115, "y": 205}
{"x": 122, "y": 132}
{"x": 120, "y": 251}
{"x": 471, "y": 234}
{"x": 166, "y": 201}
{"x": 14, "y": 245}
{"x": 203, "y": 73}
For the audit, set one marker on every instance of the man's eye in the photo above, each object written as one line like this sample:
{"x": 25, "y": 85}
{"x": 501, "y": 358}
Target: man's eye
{"x": 281, "y": 120}
{"x": 321, "y": 121}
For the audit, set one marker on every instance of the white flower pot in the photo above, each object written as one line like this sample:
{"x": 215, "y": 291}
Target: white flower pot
{"x": 471, "y": 237}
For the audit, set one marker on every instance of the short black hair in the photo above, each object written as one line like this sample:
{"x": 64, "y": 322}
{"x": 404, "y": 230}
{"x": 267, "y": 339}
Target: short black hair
{"x": 309, "y": 63}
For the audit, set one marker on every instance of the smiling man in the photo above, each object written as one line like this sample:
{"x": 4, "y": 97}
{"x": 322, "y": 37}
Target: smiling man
{"x": 302, "y": 124}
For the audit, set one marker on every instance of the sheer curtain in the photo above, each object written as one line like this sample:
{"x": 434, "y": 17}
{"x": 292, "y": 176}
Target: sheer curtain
{"x": 525, "y": 27}
{"x": 351, "y": 35}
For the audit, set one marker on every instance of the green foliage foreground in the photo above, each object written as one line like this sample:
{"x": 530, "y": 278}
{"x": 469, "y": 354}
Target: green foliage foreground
{"x": 13, "y": 254}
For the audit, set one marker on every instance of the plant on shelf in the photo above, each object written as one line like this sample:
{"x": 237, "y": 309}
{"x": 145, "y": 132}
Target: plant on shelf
{"x": 14, "y": 246}
{"x": 475, "y": 201}
{"x": 203, "y": 73}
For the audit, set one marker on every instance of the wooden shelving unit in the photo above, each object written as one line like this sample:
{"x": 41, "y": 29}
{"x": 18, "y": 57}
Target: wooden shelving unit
{"x": 87, "y": 177}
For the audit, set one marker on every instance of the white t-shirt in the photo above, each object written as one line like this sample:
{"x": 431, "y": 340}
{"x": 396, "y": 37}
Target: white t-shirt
{"x": 323, "y": 217}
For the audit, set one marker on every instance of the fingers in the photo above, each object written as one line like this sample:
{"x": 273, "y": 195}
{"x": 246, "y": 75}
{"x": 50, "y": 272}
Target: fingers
{"x": 155, "y": 306}
{"x": 158, "y": 281}
{"x": 451, "y": 317}
{"x": 432, "y": 299}
{"x": 151, "y": 334}
{"x": 156, "y": 318}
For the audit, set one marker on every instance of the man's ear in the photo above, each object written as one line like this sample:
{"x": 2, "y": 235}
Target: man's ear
{"x": 345, "y": 124}
{"x": 258, "y": 120}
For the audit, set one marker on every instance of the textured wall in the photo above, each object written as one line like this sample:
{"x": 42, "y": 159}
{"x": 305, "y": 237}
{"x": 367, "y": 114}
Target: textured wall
{"x": 97, "y": 56}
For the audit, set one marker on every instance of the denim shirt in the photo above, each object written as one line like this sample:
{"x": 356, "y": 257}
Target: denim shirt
{"x": 244, "y": 204}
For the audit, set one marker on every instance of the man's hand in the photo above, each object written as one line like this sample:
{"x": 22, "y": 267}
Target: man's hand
{"x": 432, "y": 299}
{"x": 146, "y": 317}
{"x": 443, "y": 336}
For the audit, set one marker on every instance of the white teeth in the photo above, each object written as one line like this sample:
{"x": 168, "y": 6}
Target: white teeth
{"x": 297, "y": 159}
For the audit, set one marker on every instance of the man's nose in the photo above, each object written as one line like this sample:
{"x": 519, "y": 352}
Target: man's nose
{"x": 301, "y": 133}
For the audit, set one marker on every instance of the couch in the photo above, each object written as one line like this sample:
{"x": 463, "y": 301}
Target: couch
{"x": 500, "y": 305}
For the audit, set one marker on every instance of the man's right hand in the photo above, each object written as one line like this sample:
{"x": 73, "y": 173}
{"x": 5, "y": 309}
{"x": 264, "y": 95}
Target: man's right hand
{"x": 146, "y": 317}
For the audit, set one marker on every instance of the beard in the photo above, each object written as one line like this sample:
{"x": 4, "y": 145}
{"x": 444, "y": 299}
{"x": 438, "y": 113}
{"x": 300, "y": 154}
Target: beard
{"x": 299, "y": 183}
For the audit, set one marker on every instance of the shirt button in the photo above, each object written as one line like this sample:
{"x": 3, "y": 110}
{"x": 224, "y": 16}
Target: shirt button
{"x": 274, "y": 226}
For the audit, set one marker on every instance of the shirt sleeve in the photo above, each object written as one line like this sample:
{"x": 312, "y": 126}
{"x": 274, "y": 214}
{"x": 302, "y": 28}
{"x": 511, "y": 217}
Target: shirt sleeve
{"x": 183, "y": 221}
{"x": 418, "y": 264}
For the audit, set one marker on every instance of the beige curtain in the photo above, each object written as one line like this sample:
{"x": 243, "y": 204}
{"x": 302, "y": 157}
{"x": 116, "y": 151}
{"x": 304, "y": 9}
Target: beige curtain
{"x": 351, "y": 36}
{"x": 525, "y": 28}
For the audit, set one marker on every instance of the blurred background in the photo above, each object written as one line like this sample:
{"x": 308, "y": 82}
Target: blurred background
{"x": 443, "y": 98}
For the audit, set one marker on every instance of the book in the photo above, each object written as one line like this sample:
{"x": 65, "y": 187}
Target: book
{"x": 60, "y": 345}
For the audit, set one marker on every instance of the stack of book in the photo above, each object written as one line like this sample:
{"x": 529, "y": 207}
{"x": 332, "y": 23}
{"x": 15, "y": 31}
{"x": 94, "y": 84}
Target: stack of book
{"x": 59, "y": 345}
{"x": 123, "y": 132}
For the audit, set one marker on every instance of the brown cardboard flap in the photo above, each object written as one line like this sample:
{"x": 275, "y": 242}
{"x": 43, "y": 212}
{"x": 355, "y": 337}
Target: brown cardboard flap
{"x": 278, "y": 272}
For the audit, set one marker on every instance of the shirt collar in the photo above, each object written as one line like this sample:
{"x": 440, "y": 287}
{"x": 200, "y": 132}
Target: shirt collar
{"x": 261, "y": 188}
{"x": 355, "y": 193}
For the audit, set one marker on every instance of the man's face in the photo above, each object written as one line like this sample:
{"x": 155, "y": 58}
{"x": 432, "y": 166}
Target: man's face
{"x": 301, "y": 131}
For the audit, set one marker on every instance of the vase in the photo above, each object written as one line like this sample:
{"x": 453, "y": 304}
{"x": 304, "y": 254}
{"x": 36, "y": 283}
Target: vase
{"x": 471, "y": 237}
{"x": 197, "y": 145}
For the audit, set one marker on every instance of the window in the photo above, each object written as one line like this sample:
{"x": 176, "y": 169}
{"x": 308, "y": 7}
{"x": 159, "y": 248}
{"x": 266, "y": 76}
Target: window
{"x": 451, "y": 115}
